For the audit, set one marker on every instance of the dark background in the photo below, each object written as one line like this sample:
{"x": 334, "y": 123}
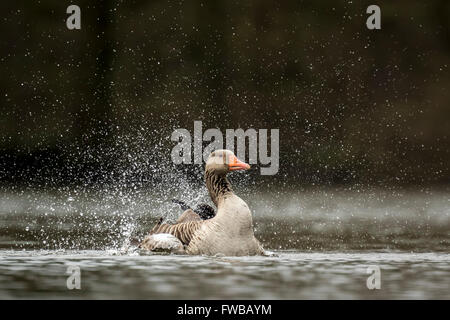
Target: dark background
{"x": 354, "y": 106}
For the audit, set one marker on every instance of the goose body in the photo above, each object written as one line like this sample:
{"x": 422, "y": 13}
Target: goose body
{"x": 229, "y": 232}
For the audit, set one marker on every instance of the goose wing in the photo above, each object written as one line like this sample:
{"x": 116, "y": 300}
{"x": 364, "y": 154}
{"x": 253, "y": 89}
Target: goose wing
{"x": 202, "y": 211}
{"x": 182, "y": 231}
{"x": 170, "y": 237}
{"x": 162, "y": 242}
{"x": 188, "y": 215}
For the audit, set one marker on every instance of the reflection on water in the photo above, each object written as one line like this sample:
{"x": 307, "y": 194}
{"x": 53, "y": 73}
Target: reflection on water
{"x": 324, "y": 242}
{"x": 289, "y": 275}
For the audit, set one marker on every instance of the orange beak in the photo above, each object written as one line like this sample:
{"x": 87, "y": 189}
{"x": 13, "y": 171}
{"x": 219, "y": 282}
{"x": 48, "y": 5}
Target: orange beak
{"x": 236, "y": 164}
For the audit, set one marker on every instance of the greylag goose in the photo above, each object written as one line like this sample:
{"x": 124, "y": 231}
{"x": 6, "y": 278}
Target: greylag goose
{"x": 229, "y": 232}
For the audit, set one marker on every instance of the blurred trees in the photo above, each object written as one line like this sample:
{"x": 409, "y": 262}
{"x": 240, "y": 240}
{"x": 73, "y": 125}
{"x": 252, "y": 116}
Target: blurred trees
{"x": 351, "y": 104}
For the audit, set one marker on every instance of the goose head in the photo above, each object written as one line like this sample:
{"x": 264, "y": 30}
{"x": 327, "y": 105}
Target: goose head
{"x": 221, "y": 162}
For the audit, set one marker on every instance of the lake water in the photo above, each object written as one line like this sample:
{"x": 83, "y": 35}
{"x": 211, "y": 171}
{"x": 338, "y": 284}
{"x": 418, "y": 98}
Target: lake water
{"x": 323, "y": 243}
{"x": 289, "y": 275}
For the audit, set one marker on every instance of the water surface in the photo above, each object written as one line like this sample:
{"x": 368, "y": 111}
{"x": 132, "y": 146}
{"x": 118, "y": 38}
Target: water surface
{"x": 324, "y": 242}
{"x": 289, "y": 275}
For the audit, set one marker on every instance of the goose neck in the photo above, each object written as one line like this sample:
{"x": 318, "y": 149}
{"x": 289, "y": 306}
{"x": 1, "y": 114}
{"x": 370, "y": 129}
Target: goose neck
{"x": 218, "y": 186}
